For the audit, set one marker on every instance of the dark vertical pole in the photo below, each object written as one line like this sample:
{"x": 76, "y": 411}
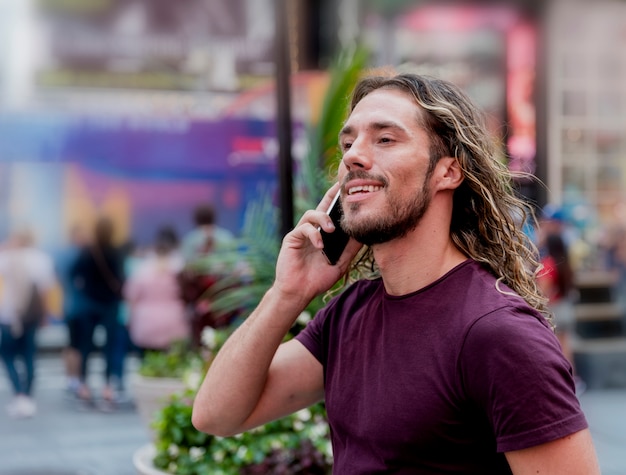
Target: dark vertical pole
{"x": 541, "y": 104}
{"x": 283, "y": 120}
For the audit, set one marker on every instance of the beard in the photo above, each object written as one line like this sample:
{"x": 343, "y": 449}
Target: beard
{"x": 396, "y": 221}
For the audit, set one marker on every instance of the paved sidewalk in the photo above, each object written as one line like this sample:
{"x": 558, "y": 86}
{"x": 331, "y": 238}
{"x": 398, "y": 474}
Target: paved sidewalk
{"x": 606, "y": 413}
{"x": 65, "y": 438}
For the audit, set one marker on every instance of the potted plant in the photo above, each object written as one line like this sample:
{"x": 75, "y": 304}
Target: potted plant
{"x": 296, "y": 444}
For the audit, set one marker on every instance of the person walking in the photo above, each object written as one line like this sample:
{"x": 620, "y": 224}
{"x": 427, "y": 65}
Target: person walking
{"x": 440, "y": 357}
{"x": 206, "y": 236}
{"x": 556, "y": 281}
{"x": 73, "y": 307}
{"x": 98, "y": 273}
{"x": 204, "y": 240}
{"x": 27, "y": 275}
{"x": 157, "y": 316}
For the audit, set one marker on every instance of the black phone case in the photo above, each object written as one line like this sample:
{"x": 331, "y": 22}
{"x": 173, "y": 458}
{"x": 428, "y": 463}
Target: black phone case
{"x": 335, "y": 242}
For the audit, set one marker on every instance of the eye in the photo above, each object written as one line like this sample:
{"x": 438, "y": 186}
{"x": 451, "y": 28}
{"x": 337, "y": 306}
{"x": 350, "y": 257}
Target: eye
{"x": 346, "y": 146}
{"x": 385, "y": 140}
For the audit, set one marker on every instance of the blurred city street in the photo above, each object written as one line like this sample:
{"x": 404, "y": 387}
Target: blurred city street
{"x": 66, "y": 440}
{"x": 606, "y": 413}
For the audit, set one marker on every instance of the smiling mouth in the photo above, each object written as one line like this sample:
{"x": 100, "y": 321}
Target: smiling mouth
{"x": 363, "y": 189}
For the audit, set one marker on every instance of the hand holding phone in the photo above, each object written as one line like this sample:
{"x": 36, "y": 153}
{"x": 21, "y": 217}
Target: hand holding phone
{"x": 335, "y": 242}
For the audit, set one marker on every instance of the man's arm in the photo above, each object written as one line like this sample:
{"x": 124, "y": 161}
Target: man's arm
{"x": 255, "y": 378}
{"x": 571, "y": 455}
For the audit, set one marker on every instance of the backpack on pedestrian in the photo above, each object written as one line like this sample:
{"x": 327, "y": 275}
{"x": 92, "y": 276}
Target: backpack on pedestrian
{"x": 32, "y": 308}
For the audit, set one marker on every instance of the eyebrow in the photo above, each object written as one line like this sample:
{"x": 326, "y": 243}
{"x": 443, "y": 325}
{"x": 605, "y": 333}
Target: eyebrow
{"x": 379, "y": 125}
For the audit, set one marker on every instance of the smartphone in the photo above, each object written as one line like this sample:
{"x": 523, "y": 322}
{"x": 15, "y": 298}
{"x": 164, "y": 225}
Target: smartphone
{"x": 335, "y": 242}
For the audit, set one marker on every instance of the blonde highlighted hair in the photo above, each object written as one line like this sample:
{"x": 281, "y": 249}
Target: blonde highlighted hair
{"x": 488, "y": 216}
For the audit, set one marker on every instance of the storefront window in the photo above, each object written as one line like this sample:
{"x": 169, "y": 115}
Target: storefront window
{"x": 609, "y": 68}
{"x": 574, "y": 176}
{"x": 574, "y": 103}
{"x": 609, "y": 178}
{"x": 609, "y": 143}
{"x": 573, "y": 66}
{"x": 575, "y": 141}
{"x": 610, "y": 103}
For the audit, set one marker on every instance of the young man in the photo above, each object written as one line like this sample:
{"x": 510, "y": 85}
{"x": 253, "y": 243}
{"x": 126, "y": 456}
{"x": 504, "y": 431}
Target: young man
{"x": 438, "y": 360}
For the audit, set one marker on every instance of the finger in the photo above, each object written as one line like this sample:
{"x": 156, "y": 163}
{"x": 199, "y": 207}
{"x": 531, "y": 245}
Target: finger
{"x": 317, "y": 219}
{"x": 319, "y": 216}
{"x": 306, "y": 230}
{"x": 328, "y": 197}
{"x": 312, "y": 232}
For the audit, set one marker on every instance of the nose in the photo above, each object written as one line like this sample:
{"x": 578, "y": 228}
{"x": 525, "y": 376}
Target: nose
{"x": 357, "y": 156}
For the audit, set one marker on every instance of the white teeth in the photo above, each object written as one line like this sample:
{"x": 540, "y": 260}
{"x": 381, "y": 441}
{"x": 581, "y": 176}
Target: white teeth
{"x": 367, "y": 188}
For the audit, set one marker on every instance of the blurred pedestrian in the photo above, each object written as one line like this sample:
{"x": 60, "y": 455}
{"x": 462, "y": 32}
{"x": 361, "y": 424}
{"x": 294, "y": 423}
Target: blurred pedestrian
{"x": 206, "y": 236}
{"x": 615, "y": 249}
{"x": 131, "y": 256}
{"x": 73, "y": 306}
{"x": 207, "y": 239}
{"x": 27, "y": 276}
{"x": 556, "y": 281}
{"x": 99, "y": 274}
{"x": 157, "y": 315}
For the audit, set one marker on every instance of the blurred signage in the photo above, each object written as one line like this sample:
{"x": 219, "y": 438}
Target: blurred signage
{"x": 145, "y": 148}
{"x": 60, "y": 170}
{"x": 521, "y": 109}
{"x": 189, "y": 45}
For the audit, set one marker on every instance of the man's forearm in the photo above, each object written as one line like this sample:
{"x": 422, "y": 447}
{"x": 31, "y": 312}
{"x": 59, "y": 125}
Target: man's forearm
{"x": 236, "y": 379}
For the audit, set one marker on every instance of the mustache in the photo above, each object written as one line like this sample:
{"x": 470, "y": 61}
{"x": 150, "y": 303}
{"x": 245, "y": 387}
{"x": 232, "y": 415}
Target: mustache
{"x": 363, "y": 175}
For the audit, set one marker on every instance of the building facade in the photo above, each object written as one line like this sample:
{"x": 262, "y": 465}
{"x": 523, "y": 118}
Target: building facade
{"x": 586, "y": 112}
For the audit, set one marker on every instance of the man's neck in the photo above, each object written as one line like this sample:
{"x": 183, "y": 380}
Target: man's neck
{"x": 422, "y": 256}
{"x": 407, "y": 266}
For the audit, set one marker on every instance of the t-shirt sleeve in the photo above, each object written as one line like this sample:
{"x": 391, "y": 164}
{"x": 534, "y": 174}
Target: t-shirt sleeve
{"x": 311, "y": 336}
{"x": 513, "y": 369}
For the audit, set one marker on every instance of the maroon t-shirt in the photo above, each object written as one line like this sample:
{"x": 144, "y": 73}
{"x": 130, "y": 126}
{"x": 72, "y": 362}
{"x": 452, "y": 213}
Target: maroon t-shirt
{"x": 443, "y": 380}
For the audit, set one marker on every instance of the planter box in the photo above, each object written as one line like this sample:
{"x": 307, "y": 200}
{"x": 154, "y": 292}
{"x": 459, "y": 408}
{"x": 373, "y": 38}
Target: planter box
{"x": 142, "y": 461}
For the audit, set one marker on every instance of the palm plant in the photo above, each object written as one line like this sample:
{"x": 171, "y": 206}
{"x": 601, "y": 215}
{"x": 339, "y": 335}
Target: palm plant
{"x": 320, "y": 163}
{"x": 259, "y": 245}
{"x": 248, "y": 274}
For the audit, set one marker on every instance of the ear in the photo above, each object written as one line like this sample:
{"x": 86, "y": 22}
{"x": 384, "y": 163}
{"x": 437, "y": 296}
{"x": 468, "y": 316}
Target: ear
{"x": 449, "y": 173}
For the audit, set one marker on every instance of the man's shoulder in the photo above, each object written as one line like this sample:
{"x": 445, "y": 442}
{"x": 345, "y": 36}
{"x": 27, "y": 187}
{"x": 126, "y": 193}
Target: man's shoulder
{"x": 480, "y": 293}
{"x": 357, "y": 294}
{"x": 480, "y": 281}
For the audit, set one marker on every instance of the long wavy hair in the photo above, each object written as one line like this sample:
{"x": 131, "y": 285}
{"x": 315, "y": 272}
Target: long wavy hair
{"x": 488, "y": 216}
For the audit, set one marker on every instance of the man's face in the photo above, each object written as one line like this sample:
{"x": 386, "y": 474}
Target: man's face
{"x": 384, "y": 167}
